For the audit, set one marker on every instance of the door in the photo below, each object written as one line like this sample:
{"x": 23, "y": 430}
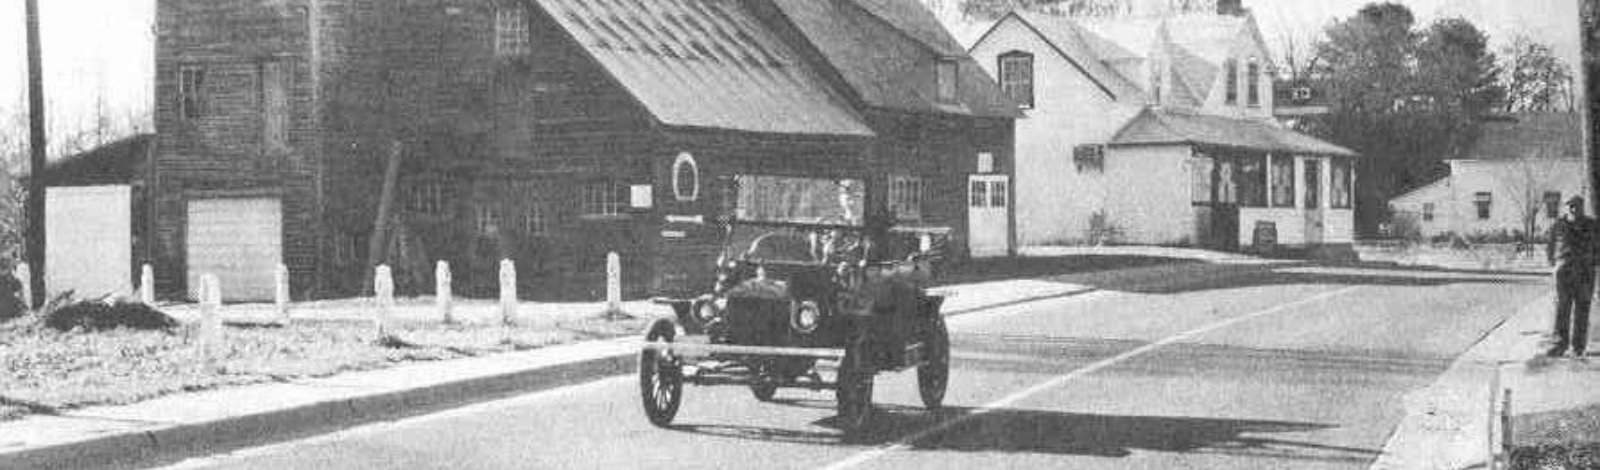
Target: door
{"x": 91, "y": 240}
{"x": 1224, "y": 212}
{"x": 1313, "y": 201}
{"x": 988, "y": 228}
{"x": 240, "y": 241}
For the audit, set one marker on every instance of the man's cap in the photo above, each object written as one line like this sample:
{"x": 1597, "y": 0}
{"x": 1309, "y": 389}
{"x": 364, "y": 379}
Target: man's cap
{"x": 1575, "y": 201}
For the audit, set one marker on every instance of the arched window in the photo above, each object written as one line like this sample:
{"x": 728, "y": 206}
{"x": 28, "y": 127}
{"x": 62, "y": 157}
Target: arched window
{"x": 685, "y": 178}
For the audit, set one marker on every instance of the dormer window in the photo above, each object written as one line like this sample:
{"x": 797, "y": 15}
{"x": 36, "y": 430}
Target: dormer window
{"x": 1253, "y": 82}
{"x": 1016, "y": 77}
{"x": 1155, "y": 85}
{"x": 945, "y": 78}
{"x": 511, "y": 30}
{"x": 1230, "y": 70}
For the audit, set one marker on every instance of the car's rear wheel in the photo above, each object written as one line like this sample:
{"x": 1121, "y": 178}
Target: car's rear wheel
{"x": 660, "y": 376}
{"x": 854, "y": 392}
{"x": 933, "y": 376}
{"x": 764, "y": 391}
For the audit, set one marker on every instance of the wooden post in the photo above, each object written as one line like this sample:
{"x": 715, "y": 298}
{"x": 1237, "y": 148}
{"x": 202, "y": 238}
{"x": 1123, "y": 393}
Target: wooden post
{"x": 147, "y": 284}
{"x": 281, "y": 295}
{"x": 25, "y": 275}
{"x": 210, "y": 317}
{"x": 33, "y": 233}
{"x": 508, "y": 292}
{"x": 383, "y": 290}
{"x": 613, "y": 283}
{"x": 441, "y": 290}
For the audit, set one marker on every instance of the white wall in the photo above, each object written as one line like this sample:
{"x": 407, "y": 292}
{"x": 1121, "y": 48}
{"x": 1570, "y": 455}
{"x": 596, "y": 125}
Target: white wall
{"x": 1507, "y": 181}
{"x": 90, "y": 249}
{"x": 1054, "y": 199}
{"x": 1247, "y": 44}
{"x": 1151, "y": 202}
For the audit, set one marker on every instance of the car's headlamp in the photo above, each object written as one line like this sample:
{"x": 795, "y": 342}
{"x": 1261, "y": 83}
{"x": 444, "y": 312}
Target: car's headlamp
{"x": 805, "y": 316}
{"x": 707, "y": 310}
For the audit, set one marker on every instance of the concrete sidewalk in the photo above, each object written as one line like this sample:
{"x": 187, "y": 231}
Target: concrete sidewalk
{"x": 1452, "y": 424}
{"x": 170, "y": 428}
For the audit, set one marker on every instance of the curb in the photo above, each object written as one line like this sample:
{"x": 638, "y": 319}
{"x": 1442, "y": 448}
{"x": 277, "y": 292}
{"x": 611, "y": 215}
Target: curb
{"x": 174, "y": 443}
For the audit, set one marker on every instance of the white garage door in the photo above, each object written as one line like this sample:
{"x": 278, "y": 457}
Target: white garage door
{"x": 240, "y": 241}
{"x": 89, "y": 247}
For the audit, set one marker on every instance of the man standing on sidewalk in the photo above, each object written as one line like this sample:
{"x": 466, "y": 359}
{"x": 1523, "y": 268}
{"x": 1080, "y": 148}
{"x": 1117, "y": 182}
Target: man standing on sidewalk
{"x": 1571, "y": 249}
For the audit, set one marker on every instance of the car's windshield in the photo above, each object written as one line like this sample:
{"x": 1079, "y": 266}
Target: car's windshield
{"x": 806, "y": 245}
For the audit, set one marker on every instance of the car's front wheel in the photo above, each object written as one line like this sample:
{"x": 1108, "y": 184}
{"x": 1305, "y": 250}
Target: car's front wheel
{"x": 660, "y": 376}
{"x": 933, "y": 376}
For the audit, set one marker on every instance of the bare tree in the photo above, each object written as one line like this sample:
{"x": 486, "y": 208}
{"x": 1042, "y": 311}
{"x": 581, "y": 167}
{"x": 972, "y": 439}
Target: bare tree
{"x": 1526, "y": 181}
{"x": 1535, "y": 80}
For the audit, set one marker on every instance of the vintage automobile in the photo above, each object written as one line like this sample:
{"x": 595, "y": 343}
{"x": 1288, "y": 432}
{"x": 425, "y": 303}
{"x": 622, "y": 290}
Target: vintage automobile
{"x": 790, "y": 297}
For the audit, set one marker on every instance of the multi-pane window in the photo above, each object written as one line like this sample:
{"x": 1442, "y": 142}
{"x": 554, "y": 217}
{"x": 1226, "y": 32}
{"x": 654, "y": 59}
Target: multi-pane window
{"x": 1427, "y": 211}
{"x": 906, "y": 194}
{"x": 1252, "y": 90}
{"x": 274, "y": 105}
{"x": 945, "y": 79}
{"x": 1089, "y": 157}
{"x": 1282, "y": 181}
{"x": 1252, "y": 182}
{"x": 1200, "y": 180}
{"x": 1230, "y": 73}
{"x": 1484, "y": 202}
{"x": 997, "y": 193}
{"x": 429, "y": 198}
{"x": 1313, "y": 174}
{"x": 1552, "y": 204}
{"x": 979, "y": 194}
{"x": 191, "y": 92}
{"x": 511, "y": 30}
{"x": 488, "y": 218}
{"x": 1016, "y": 77}
{"x": 604, "y": 198}
{"x": 1343, "y": 184}
{"x": 535, "y": 219}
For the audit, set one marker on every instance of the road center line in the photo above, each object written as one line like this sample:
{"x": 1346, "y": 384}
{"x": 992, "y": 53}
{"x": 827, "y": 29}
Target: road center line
{"x": 905, "y": 443}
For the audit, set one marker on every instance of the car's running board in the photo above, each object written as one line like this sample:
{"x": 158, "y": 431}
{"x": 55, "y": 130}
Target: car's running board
{"x": 731, "y": 349}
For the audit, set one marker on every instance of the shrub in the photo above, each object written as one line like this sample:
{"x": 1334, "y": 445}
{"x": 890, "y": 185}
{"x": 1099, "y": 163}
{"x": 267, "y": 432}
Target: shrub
{"x": 64, "y": 314}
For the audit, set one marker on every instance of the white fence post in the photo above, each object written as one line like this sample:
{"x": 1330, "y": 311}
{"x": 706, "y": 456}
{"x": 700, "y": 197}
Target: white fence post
{"x": 441, "y": 290}
{"x": 508, "y": 292}
{"x": 147, "y": 284}
{"x": 613, "y": 283}
{"x": 25, "y": 274}
{"x": 383, "y": 289}
{"x": 210, "y": 316}
{"x": 280, "y": 276}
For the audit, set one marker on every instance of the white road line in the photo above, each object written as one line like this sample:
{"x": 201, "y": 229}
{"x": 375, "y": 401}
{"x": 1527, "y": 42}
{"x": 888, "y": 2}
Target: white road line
{"x": 905, "y": 443}
{"x": 411, "y": 422}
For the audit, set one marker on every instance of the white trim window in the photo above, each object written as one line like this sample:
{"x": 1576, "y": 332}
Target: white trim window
{"x": 488, "y": 218}
{"x": 191, "y": 92}
{"x": 1016, "y": 77}
{"x": 946, "y": 77}
{"x": 511, "y": 36}
{"x": 429, "y": 198}
{"x": 906, "y": 195}
{"x": 536, "y": 219}
{"x": 604, "y": 198}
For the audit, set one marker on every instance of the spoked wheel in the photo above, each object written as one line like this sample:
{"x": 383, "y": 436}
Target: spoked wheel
{"x": 934, "y": 376}
{"x": 854, "y": 392}
{"x": 660, "y": 376}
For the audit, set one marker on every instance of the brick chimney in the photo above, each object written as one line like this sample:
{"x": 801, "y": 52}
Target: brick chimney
{"x": 1230, "y": 7}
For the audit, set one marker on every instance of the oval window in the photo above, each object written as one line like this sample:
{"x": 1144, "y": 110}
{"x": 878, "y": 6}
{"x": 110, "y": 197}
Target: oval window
{"x": 685, "y": 178}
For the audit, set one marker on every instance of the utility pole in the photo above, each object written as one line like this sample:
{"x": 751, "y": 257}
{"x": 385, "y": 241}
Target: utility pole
{"x": 33, "y": 235}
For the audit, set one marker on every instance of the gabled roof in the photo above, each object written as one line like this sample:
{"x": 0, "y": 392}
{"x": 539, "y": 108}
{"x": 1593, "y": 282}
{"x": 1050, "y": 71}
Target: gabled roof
{"x": 1154, "y": 127}
{"x": 705, "y": 64}
{"x": 1528, "y": 136}
{"x": 117, "y": 162}
{"x": 1194, "y": 46}
{"x": 886, "y": 51}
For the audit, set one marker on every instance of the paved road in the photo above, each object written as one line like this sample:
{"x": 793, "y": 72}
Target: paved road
{"x": 1286, "y": 367}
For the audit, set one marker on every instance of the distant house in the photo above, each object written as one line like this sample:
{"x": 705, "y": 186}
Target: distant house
{"x": 549, "y": 132}
{"x": 96, "y": 231}
{"x": 1510, "y": 181}
{"x": 1160, "y": 130}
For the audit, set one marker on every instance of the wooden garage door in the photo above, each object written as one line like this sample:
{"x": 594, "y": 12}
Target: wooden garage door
{"x": 239, "y": 240}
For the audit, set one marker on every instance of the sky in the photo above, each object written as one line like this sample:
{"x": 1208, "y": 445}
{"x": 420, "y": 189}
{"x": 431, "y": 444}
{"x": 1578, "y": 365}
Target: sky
{"x": 100, "y": 51}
